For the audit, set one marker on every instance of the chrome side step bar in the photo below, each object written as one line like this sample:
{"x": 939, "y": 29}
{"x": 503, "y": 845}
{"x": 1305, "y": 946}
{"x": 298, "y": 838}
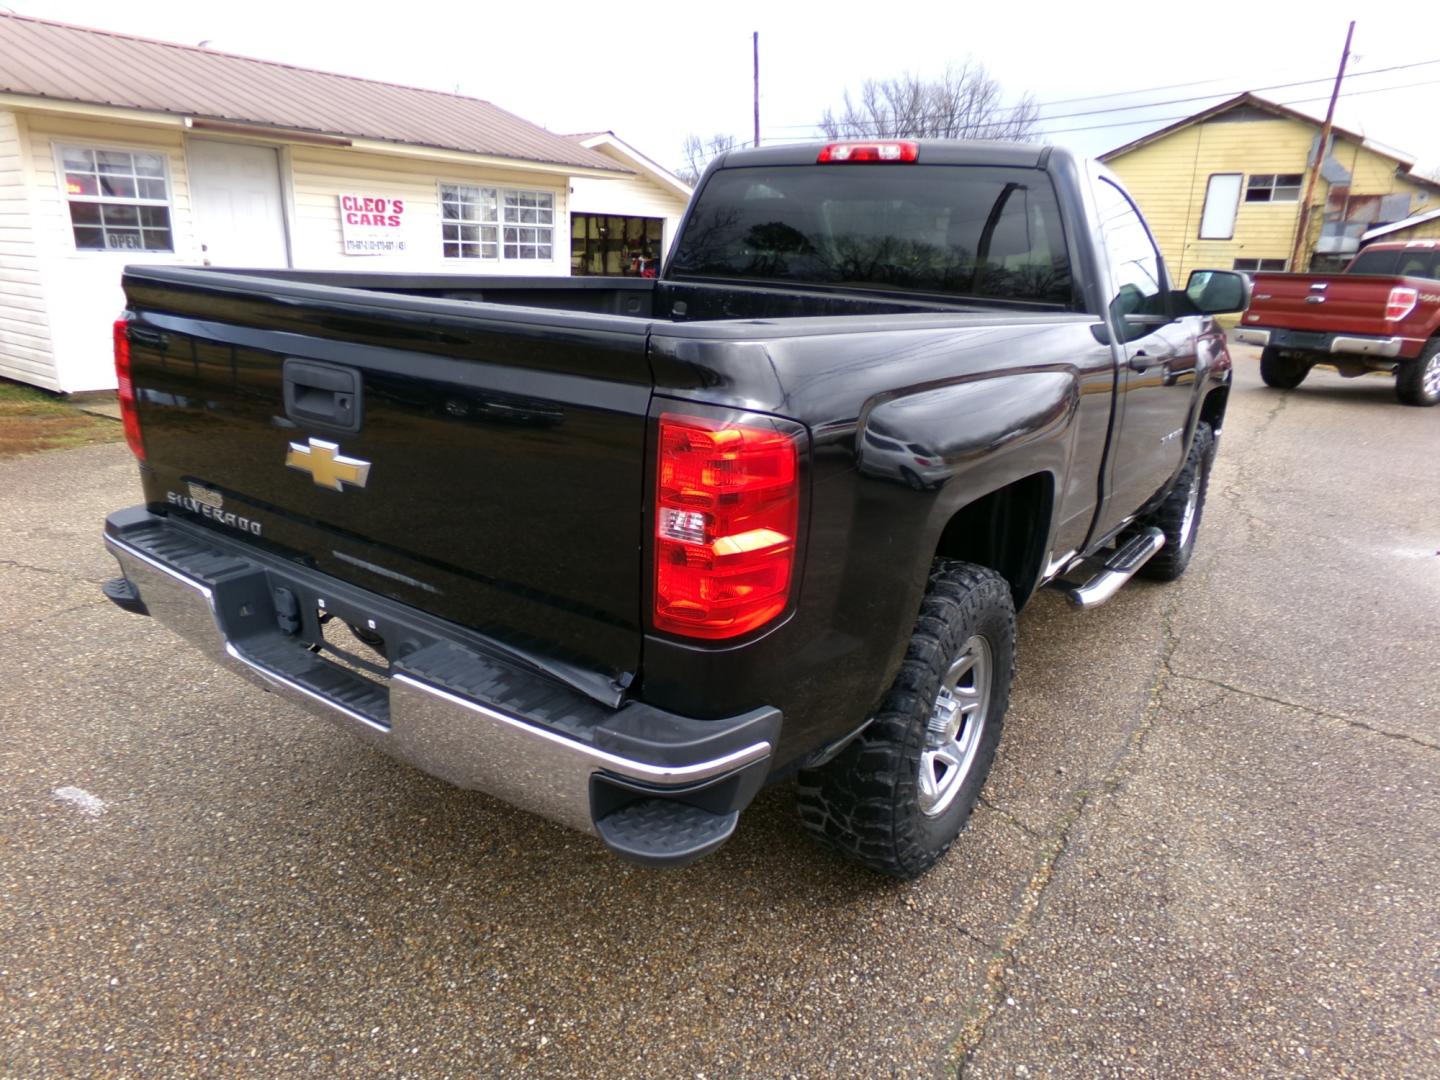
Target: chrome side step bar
{"x": 1114, "y": 572}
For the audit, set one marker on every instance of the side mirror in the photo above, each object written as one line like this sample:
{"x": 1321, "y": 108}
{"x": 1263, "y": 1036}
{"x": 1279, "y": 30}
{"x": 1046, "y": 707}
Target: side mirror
{"x": 1218, "y": 292}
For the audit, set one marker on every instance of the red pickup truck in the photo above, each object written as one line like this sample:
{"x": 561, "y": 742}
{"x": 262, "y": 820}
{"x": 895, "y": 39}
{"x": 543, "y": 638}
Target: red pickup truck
{"x": 1381, "y": 314}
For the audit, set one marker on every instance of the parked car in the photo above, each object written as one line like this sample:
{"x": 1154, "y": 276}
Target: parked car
{"x": 1381, "y": 314}
{"x": 621, "y": 551}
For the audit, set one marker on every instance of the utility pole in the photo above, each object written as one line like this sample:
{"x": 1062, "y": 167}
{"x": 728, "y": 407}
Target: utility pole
{"x": 1300, "y": 258}
{"x": 755, "y": 41}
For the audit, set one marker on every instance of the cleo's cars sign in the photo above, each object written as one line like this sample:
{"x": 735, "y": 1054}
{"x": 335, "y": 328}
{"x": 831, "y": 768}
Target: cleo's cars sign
{"x": 372, "y": 225}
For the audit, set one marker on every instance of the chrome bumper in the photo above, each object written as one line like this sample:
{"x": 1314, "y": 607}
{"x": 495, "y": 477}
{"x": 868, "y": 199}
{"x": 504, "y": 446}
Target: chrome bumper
{"x": 1367, "y": 346}
{"x": 466, "y": 742}
{"x": 1387, "y": 348}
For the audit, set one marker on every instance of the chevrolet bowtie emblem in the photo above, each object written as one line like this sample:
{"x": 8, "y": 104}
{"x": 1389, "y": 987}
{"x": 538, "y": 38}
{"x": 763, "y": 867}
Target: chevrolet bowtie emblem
{"x": 326, "y": 465}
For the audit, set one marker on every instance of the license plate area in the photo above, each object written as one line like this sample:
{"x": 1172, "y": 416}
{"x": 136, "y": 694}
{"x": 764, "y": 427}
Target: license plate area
{"x": 358, "y": 648}
{"x": 1301, "y": 339}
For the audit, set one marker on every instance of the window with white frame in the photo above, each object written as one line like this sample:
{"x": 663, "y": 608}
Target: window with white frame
{"x": 529, "y": 224}
{"x": 496, "y": 223}
{"x": 119, "y": 199}
{"x": 470, "y": 222}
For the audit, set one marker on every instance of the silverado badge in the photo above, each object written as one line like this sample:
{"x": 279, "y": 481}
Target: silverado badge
{"x": 326, "y": 465}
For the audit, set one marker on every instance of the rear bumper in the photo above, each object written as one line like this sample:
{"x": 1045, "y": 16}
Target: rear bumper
{"x": 658, "y": 788}
{"x": 1388, "y": 348}
{"x": 1385, "y": 348}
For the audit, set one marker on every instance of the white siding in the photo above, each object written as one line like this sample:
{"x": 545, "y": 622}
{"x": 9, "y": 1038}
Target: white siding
{"x": 320, "y": 175}
{"x": 82, "y": 288}
{"x": 25, "y": 347}
{"x": 57, "y": 303}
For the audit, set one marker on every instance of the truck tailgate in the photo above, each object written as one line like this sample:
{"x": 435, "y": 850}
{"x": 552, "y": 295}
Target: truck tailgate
{"x": 1334, "y": 303}
{"x": 505, "y": 447}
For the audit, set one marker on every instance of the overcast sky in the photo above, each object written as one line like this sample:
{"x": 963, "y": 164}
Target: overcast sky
{"x": 654, "y": 72}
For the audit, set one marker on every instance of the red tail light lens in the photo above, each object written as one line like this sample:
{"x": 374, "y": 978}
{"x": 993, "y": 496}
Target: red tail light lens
{"x": 726, "y": 507}
{"x": 889, "y": 151}
{"x": 128, "y": 413}
{"x": 1402, "y": 301}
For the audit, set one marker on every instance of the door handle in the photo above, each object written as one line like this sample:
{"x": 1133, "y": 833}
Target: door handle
{"x": 325, "y": 394}
{"x": 153, "y": 339}
{"x": 1140, "y": 360}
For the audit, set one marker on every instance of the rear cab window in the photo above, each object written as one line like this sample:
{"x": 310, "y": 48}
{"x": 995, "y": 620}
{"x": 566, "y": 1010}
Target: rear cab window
{"x": 1394, "y": 262}
{"x": 951, "y": 231}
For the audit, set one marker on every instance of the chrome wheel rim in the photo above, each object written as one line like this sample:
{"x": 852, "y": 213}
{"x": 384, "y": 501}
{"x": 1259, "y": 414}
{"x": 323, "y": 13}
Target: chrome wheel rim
{"x": 1192, "y": 502}
{"x": 957, "y": 722}
{"x": 1431, "y": 378}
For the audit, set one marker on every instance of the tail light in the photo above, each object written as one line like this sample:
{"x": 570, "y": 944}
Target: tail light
{"x": 1402, "y": 301}
{"x": 128, "y": 413}
{"x": 726, "y": 507}
{"x": 892, "y": 150}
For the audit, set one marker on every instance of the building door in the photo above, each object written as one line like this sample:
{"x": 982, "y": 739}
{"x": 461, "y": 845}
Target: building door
{"x": 616, "y": 245}
{"x": 235, "y": 189}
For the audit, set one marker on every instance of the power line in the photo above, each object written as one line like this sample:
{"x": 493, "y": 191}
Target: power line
{"x": 1203, "y": 82}
{"x": 1206, "y": 97}
{"x": 1299, "y": 101}
{"x": 1144, "y": 104}
{"x": 705, "y": 159}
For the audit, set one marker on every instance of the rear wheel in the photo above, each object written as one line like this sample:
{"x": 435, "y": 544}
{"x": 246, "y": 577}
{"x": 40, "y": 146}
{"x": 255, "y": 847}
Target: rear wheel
{"x": 1178, "y": 517}
{"x": 1417, "y": 382}
{"x": 1282, "y": 371}
{"x": 898, "y": 795}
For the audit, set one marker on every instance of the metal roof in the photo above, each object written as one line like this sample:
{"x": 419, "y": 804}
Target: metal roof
{"x": 75, "y": 63}
{"x": 1397, "y": 226}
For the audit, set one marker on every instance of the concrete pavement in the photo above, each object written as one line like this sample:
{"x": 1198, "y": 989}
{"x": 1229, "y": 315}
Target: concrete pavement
{"x": 1209, "y": 845}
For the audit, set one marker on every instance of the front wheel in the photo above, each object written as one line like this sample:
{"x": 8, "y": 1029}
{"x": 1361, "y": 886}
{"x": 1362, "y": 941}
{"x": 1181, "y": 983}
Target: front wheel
{"x": 1178, "y": 517}
{"x": 1417, "y": 382}
{"x": 1283, "y": 372}
{"x": 898, "y": 795}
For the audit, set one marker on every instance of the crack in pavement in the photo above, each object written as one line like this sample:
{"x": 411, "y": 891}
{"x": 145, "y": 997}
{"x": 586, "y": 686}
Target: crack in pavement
{"x": 17, "y": 565}
{"x": 8, "y": 631}
{"x": 1008, "y": 817}
{"x": 967, "y": 1042}
{"x": 1229, "y": 491}
{"x": 971, "y": 1036}
{"x": 1309, "y": 710}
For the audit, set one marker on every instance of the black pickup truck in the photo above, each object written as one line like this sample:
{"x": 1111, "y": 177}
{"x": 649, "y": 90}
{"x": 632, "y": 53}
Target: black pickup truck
{"x": 622, "y": 551}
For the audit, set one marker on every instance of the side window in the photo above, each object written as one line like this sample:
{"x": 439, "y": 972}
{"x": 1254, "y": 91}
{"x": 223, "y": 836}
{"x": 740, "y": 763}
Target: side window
{"x": 1134, "y": 262}
{"x": 119, "y": 199}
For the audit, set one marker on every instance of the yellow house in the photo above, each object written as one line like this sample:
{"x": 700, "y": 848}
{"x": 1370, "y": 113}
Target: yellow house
{"x": 1222, "y": 188}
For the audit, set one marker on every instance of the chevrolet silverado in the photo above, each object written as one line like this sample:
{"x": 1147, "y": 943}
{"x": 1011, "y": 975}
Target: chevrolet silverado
{"x": 621, "y": 551}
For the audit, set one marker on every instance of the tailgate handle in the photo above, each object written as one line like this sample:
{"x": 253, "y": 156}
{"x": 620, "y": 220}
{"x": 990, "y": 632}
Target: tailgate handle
{"x": 322, "y": 394}
{"x": 153, "y": 339}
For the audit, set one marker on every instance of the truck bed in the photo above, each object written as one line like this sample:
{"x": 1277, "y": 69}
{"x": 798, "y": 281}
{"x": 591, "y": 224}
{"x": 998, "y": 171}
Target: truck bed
{"x": 646, "y": 298}
{"x": 504, "y": 430}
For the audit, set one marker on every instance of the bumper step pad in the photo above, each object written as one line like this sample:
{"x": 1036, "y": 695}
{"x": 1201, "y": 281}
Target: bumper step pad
{"x": 662, "y": 832}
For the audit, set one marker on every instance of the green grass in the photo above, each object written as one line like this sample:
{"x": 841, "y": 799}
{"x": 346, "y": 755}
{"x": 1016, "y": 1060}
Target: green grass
{"x": 34, "y": 420}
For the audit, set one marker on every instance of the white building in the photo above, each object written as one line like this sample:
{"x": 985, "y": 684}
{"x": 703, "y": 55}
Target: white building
{"x": 118, "y": 150}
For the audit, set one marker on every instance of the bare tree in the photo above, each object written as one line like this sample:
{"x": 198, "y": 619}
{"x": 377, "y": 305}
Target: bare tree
{"x": 698, "y": 153}
{"x": 964, "y": 103}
